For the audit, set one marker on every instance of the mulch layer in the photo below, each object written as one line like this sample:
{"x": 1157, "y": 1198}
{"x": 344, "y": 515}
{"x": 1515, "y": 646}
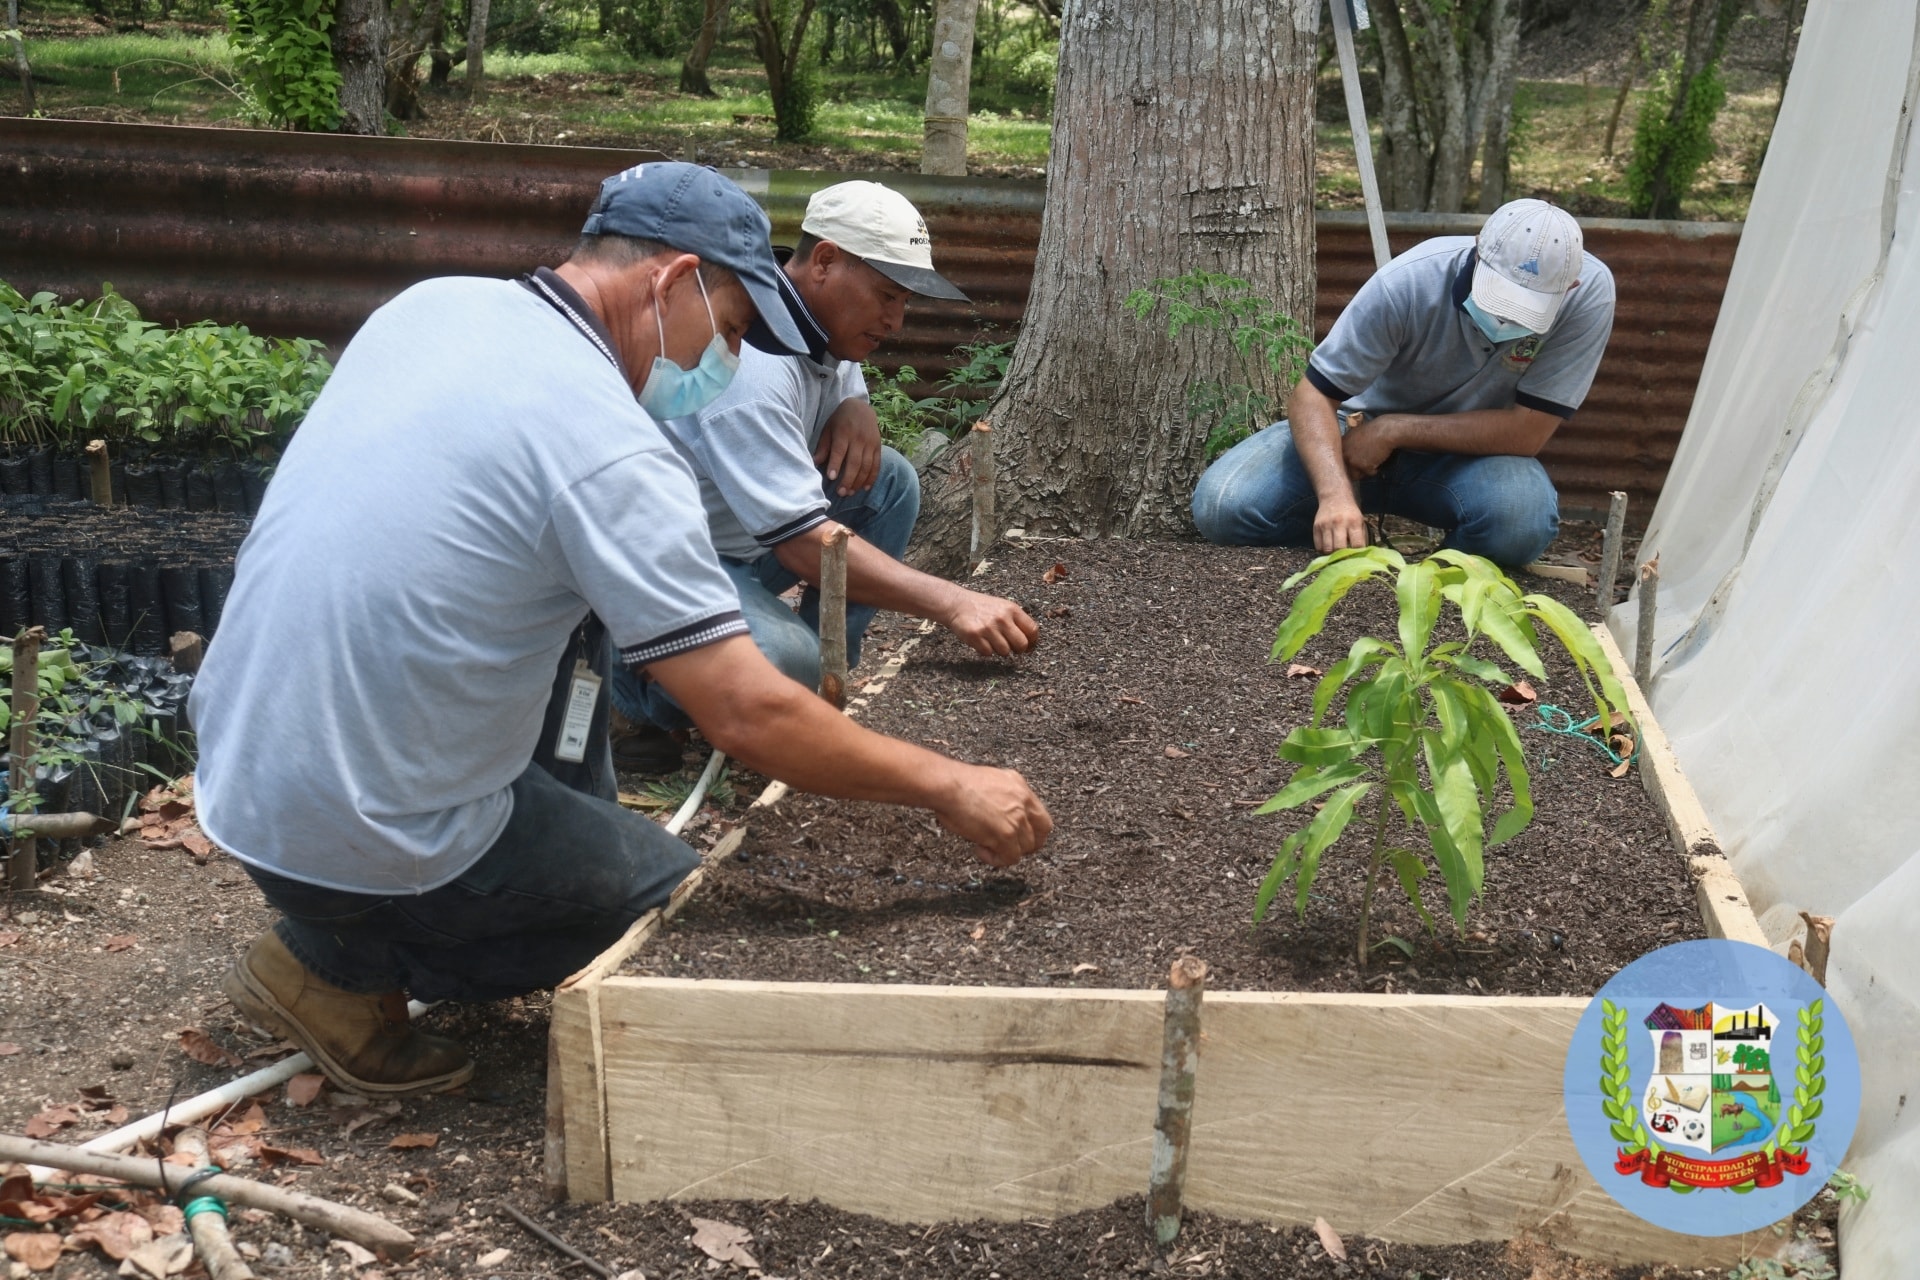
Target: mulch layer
{"x": 1147, "y": 719}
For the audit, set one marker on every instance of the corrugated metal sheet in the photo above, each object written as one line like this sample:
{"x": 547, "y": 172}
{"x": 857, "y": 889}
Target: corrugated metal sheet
{"x": 306, "y": 234}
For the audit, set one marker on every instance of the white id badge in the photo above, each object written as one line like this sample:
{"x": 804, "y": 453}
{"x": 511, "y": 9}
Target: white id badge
{"x": 582, "y": 696}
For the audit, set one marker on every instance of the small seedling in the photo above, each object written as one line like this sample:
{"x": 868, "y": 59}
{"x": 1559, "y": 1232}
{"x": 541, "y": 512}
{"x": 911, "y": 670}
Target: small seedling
{"x": 1423, "y": 731}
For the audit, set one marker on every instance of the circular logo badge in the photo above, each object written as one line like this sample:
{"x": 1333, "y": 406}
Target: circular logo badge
{"x": 1712, "y": 1087}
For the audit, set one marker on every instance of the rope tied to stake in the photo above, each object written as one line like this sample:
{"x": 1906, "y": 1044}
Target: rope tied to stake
{"x": 1555, "y": 720}
{"x": 193, "y": 1207}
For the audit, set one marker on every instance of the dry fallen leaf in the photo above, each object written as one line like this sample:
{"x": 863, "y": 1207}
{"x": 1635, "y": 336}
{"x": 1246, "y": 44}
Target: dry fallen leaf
{"x": 196, "y": 844}
{"x": 52, "y": 1120}
{"x": 410, "y": 1141}
{"x": 492, "y": 1258}
{"x": 1620, "y": 770}
{"x": 1084, "y": 967}
{"x": 361, "y": 1256}
{"x": 199, "y": 1046}
{"x": 1175, "y": 753}
{"x": 116, "y": 1234}
{"x": 8, "y": 939}
{"x": 1054, "y": 574}
{"x": 167, "y": 1219}
{"x": 1330, "y": 1240}
{"x": 1062, "y": 611}
{"x": 162, "y": 1258}
{"x": 7, "y": 1049}
{"x": 37, "y": 1250}
{"x": 290, "y": 1155}
{"x": 723, "y": 1242}
{"x": 979, "y": 932}
{"x": 1301, "y": 671}
{"x": 1519, "y": 694}
{"x": 119, "y": 942}
{"x": 304, "y": 1088}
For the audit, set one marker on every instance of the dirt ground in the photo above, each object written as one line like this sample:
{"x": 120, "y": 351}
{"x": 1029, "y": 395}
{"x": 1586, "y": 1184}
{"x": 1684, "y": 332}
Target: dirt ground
{"x": 109, "y": 972}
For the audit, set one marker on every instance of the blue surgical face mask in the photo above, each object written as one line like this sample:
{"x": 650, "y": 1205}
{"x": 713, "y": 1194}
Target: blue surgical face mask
{"x": 673, "y": 392}
{"x": 1496, "y": 329}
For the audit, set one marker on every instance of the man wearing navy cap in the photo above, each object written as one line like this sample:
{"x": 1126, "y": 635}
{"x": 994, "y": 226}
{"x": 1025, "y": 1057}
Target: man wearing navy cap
{"x": 1438, "y": 384}
{"x": 402, "y": 722}
{"x": 791, "y": 450}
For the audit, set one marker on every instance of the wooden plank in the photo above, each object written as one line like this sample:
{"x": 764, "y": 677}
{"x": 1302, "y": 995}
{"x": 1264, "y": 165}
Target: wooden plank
{"x": 914, "y": 1103}
{"x": 576, "y": 1049}
{"x": 1423, "y": 1119}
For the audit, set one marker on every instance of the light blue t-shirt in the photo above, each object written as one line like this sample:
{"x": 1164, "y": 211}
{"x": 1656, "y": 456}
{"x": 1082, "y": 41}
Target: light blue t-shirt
{"x": 474, "y": 477}
{"x": 1406, "y": 345}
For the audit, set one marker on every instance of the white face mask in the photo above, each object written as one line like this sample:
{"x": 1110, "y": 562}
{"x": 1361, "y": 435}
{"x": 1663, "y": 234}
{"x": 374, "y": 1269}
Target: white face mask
{"x": 673, "y": 392}
{"x": 1496, "y": 329}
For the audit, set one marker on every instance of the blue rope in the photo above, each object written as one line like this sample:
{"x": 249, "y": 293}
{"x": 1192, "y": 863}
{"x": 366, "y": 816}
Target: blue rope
{"x": 1554, "y": 720}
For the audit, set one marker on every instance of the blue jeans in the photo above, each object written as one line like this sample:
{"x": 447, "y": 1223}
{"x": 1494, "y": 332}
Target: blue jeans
{"x": 882, "y": 515}
{"x": 1501, "y": 507}
{"x": 558, "y": 886}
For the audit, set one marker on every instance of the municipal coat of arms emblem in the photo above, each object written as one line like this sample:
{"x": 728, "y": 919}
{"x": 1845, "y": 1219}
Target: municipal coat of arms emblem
{"x": 1715, "y": 1088}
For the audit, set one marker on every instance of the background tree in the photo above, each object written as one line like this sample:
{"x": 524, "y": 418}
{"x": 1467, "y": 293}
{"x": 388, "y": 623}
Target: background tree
{"x": 1674, "y": 135}
{"x": 414, "y": 26}
{"x": 693, "y": 69}
{"x": 20, "y": 66}
{"x": 949, "y": 76}
{"x": 1448, "y": 70}
{"x": 477, "y": 11}
{"x": 780, "y": 33}
{"x": 1183, "y": 135}
{"x": 360, "y": 56}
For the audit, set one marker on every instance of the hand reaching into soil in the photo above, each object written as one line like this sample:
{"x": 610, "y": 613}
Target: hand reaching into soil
{"x": 998, "y": 812}
{"x": 991, "y": 625}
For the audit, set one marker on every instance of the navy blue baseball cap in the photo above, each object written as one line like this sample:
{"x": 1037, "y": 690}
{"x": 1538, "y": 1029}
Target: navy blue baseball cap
{"x": 690, "y": 207}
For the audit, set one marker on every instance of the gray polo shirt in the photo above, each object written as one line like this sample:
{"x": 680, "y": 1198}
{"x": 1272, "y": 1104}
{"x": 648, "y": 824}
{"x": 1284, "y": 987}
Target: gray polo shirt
{"x": 474, "y": 477}
{"x": 752, "y": 448}
{"x": 1406, "y": 345}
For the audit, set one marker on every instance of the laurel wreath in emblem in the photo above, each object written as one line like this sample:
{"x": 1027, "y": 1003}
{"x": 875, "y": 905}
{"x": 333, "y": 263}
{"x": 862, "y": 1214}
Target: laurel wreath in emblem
{"x": 1789, "y": 1136}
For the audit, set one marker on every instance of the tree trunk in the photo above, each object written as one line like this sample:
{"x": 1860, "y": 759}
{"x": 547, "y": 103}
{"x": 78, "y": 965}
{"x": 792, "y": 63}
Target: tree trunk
{"x": 1501, "y": 79}
{"x": 360, "y": 55}
{"x": 477, "y": 47}
{"x": 1709, "y": 22}
{"x": 409, "y": 35}
{"x": 898, "y": 38}
{"x": 693, "y": 71}
{"x": 949, "y": 77}
{"x": 1406, "y": 153}
{"x": 1183, "y": 136}
{"x": 20, "y": 58}
{"x": 1445, "y": 101}
{"x": 780, "y": 55}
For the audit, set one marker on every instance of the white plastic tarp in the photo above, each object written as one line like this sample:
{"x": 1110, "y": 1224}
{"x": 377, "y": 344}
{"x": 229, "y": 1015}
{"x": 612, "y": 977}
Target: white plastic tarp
{"x": 1789, "y": 603}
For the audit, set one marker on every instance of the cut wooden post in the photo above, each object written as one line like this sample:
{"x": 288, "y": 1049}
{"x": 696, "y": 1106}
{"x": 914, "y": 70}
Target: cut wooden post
{"x": 102, "y": 473}
{"x": 1643, "y": 637}
{"x": 556, "y": 1152}
{"x": 24, "y": 865}
{"x": 1610, "y": 549}
{"x": 187, "y": 649}
{"x": 982, "y": 493}
{"x": 209, "y": 1229}
{"x": 1173, "y": 1128}
{"x": 1817, "y": 946}
{"x": 833, "y": 617}
{"x": 62, "y": 826}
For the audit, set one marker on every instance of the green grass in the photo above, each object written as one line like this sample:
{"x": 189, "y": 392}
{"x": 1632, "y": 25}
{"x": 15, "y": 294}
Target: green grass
{"x": 164, "y": 75}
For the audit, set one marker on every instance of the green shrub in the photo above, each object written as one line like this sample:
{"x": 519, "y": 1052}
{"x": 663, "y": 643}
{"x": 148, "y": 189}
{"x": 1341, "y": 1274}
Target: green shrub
{"x": 1668, "y": 155}
{"x": 72, "y": 373}
{"x": 284, "y": 55}
{"x": 1036, "y": 71}
{"x": 905, "y": 418}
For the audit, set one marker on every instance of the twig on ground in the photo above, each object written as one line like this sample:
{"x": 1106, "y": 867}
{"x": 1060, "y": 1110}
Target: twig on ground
{"x": 534, "y": 1228}
{"x": 209, "y": 1227}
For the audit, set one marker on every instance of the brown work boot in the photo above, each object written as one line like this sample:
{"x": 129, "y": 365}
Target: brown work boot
{"x": 363, "y": 1042}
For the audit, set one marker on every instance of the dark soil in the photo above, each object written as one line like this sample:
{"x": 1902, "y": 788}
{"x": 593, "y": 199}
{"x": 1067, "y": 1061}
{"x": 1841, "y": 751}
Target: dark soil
{"x": 32, "y": 523}
{"x": 1148, "y": 720}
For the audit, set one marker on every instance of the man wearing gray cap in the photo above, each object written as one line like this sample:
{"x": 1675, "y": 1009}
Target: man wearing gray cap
{"x": 1446, "y": 374}
{"x": 402, "y": 722}
{"x": 791, "y": 450}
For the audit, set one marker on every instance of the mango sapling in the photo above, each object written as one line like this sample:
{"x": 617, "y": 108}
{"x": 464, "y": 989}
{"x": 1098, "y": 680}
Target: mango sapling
{"x": 1424, "y": 732}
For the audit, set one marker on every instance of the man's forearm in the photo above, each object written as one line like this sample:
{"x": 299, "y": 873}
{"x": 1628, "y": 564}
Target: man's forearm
{"x": 1314, "y": 421}
{"x": 873, "y": 577}
{"x": 1517, "y": 431}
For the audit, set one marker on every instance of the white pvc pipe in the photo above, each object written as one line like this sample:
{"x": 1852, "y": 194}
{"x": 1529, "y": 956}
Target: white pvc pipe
{"x": 216, "y": 1100}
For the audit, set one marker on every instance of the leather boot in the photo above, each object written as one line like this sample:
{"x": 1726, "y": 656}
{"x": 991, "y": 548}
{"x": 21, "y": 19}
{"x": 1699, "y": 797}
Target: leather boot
{"x": 363, "y": 1042}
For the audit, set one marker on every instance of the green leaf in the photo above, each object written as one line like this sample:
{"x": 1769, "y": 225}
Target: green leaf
{"x": 1284, "y": 864}
{"x": 1489, "y": 609}
{"x": 1410, "y": 870}
{"x": 1480, "y": 669}
{"x": 1309, "y": 783}
{"x": 1610, "y": 698}
{"x": 1322, "y": 748}
{"x": 1333, "y": 576}
{"x": 1418, "y": 592}
{"x": 1458, "y": 806}
{"x": 1392, "y": 940}
{"x": 1366, "y": 652}
{"x": 1322, "y": 832}
{"x": 1491, "y": 722}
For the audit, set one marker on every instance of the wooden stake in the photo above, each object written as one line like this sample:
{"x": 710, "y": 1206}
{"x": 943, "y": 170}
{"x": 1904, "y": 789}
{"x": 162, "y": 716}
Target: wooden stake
{"x": 1173, "y": 1128}
{"x": 833, "y": 617}
{"x": 1643, "y": 638}
{"x": 24, "y": 865}
{"x": 1819, "y": 943}
{"x": 187, "y": 649}
{"x": 1610, "y": 550}
{"x": 62, "y": 826}
{"x": 357, "y": 1225}
{"x": 209, "y": 1230}
{"x": 102, "y": 473}
{"x": 983, "y": 530}
{"x": 556, "y": 1152}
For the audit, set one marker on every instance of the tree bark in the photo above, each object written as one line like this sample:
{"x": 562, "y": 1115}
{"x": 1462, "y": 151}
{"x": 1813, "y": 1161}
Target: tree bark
{"x": 409, "y": 34}
{"x": 1183, "y": 138}
{"x": 1406, "y": 153}
{"x": 780, "y": 55}
{"x": 1445, "y": 101}
{"x": 477, "y": 47}
{"x": 360, "y": 55}
{"x": 949, "y": 81}
{"x": 1501, "y": 79}
{"x": 20, "y": 66}
{"x": 693, "y": 71}
{"x": 1709, "y": 22}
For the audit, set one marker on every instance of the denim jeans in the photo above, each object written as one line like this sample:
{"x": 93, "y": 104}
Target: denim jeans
{"x": 1501, "y": 507}
{"x": 558, "y": 886}
{"x": 883, "y": 515}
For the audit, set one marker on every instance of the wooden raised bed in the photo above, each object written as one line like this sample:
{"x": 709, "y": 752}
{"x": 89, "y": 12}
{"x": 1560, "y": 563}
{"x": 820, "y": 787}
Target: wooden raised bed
{"x": 1424, "y": 1119}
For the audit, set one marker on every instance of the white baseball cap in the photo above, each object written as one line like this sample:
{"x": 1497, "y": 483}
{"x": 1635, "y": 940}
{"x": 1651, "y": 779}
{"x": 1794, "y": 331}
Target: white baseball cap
{"x": 881, "y": 227}
{"x": 1530, "y": 256}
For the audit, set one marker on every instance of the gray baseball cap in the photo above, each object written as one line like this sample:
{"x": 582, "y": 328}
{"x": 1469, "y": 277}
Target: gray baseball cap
{"x": 691, "y": 208}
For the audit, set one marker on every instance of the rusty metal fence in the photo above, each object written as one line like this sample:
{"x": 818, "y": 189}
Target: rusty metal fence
{"x": 304, "y": 234}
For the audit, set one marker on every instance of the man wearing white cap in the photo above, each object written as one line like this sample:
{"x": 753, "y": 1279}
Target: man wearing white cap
{"x": 791, "y": 450}
{"x": 1430, "y": 398}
